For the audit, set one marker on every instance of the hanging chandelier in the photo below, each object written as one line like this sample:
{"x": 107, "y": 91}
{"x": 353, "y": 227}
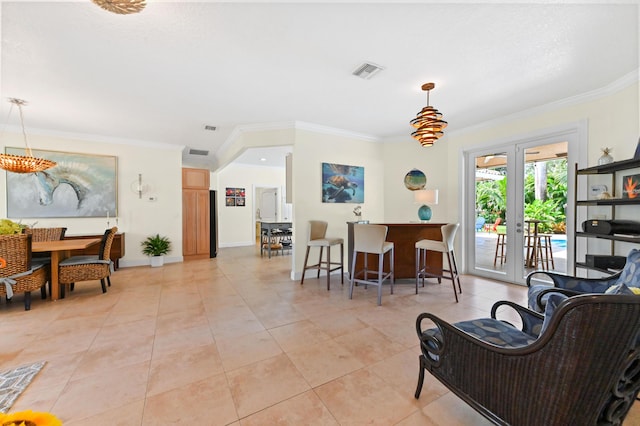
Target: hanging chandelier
{"x": 428, "y": 122}
{"x": 23, "y": 163}
{"x": 121, "y": 7}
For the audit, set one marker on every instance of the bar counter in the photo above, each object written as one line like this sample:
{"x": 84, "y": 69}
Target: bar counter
{"x": 404, "y": 237}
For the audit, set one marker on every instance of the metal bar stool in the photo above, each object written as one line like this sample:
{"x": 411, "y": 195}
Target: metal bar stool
{"x": 370, "y": 239}
{"x": 317, "y": 238}
{"x": 444, "y": 246}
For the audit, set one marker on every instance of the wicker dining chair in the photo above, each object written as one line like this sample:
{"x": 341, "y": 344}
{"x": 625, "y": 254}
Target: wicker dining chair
{"x": 19, "y": 276}
{"x": 88, "y": 267}
{"x": 578, "y": 364}
{"x": 46, "y": 234}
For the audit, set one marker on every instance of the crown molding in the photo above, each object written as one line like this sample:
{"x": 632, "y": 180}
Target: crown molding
{"x": 290, "y": 125}
{"x": 95, "y": 138}
{"x": 622, "y": 83}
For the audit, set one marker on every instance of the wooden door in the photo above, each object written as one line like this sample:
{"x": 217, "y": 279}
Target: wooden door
{"x": 195, "y": 214}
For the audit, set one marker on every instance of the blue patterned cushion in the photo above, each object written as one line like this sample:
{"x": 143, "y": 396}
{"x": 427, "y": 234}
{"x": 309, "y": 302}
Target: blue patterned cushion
{"x": 534, "y": 291}
{"x": 630, "y": 275}
{"x": 491, "y": 331}
{"x": 583, "y": 286}
{"x": 553, "y": 301}
{"x": 619, "y": 289}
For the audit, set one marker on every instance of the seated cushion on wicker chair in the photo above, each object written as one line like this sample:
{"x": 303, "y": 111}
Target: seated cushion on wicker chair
{"x": 83, "y": 260}
{"x": 491, "y": 331}
{"x": 629, "y": 275}
{"x": 619, "y": 289}
{"x": 8, "y": 282}
{"x": 574, "y": 284}
{"x": 534, "y": 291}
{"x": 553, "y": 301}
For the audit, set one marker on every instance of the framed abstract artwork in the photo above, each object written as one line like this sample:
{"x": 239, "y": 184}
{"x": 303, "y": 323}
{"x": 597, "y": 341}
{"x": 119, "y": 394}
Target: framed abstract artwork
{"x": 80, "y": 185}
{"x": 342, "y": 183}
{"x": 235, "y": 197}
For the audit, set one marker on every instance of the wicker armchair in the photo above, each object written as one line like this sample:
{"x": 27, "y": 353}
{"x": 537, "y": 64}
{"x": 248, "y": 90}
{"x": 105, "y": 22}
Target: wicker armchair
{"x": 573, "y": 286}
{"x": 582, "y": 370}
{"x": 89, "y": 268}
{"x": 19, "y": 276}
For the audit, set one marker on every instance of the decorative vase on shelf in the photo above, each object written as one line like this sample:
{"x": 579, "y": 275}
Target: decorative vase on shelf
{"x": 606, "y": 158}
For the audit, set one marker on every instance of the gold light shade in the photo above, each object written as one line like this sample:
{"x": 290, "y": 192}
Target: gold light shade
{"x": 121, "y": 7}
{"x": 428, "y": 122}
{"x": 23, "y": 163}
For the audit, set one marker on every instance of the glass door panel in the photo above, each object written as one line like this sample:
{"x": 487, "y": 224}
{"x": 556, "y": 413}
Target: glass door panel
{"x": 490, "y": 182}
{"x": 544, "y": 203}
{"x": 519, "y": 199}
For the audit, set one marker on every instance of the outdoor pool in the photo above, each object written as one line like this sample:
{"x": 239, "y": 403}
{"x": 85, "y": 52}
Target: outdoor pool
{"x": 559, "y": 241}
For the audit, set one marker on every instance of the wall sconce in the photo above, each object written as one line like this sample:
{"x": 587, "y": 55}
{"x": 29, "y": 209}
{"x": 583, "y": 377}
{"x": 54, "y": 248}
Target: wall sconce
{"x": 138, "y": 187}
{"x": 424, "y": 197}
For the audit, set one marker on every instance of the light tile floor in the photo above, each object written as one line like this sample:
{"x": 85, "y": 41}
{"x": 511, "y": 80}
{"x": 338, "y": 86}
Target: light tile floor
{"x": 233, "y": 341}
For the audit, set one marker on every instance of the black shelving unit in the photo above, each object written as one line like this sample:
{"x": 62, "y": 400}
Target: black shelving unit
{"x": 610, "y": 169}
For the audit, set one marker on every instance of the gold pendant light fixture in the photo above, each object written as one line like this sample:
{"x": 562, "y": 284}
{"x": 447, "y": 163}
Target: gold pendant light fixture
{"x": 428, "y": 122}
{"x": 121, "y": 7}
{"x": 23, "y": 163}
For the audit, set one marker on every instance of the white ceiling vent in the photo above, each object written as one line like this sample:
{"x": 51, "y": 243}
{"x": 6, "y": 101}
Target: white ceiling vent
{"x": 367, "y": 70}
{"x": 198, "y": 152}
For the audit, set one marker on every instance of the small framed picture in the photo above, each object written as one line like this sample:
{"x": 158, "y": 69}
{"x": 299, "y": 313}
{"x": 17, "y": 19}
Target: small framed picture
{"x": 631, "y": 186}
{"x": 636, "y": 156}
{"x": 235, "y": 197}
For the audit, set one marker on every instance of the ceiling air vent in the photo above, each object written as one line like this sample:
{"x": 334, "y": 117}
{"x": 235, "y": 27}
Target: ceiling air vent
{"x": 367, "y": 70}
{"x": 198, "y": 152}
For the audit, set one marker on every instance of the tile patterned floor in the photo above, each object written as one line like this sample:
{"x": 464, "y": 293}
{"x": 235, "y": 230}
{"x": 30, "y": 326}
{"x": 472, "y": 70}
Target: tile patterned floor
{"x": 233, "y": 341}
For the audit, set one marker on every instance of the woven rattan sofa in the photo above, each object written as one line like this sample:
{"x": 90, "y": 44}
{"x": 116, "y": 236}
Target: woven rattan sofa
{"x": 19, "y": 273}
{"x": 584, "y": 369}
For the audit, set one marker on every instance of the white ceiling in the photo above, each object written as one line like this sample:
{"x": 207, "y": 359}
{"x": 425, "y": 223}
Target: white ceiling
{"x": 161, "y": 75}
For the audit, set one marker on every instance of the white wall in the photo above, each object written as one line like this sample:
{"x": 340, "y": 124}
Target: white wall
{"x": 310, "y": 151}
{"x": 236, "y": 225}
{"x": 160, "y": 168}
{"x": 402, "y": 157}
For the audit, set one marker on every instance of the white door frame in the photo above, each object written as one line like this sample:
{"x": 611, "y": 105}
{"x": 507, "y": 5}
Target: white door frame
{"x": 575, "y": 134}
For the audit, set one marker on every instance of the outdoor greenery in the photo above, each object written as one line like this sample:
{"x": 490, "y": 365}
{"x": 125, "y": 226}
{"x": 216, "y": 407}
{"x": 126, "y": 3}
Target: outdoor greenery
{"x": 491, "y": 196}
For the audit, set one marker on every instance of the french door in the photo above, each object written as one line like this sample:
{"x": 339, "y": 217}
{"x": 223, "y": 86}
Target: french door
{"x": 517, "y": 213}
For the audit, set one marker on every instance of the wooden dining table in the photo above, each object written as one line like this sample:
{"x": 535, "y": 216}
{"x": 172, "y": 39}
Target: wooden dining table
{"x": 60, "y": 250}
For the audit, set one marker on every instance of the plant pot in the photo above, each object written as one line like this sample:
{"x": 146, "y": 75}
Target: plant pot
{"x": 157, "y": 261}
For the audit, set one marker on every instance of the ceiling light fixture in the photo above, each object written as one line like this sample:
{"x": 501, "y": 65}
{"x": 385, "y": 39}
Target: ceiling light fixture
{"x": 121, "y": 7}
{"x": 428, "y": 122}
{"x": 22, "y": 163}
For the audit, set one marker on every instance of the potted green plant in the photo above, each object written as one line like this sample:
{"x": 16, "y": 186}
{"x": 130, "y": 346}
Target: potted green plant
{"x": 156, "y": 247}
